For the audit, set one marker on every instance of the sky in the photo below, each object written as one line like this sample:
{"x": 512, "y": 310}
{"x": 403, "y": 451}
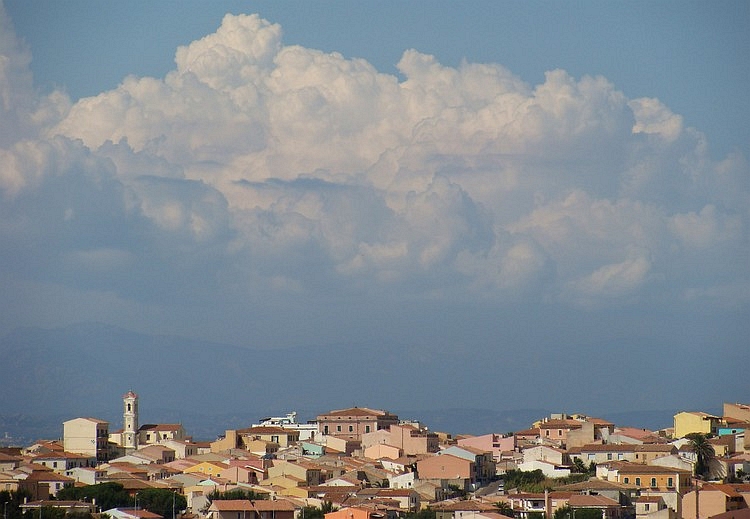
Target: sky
{"x": 460, "y": 176}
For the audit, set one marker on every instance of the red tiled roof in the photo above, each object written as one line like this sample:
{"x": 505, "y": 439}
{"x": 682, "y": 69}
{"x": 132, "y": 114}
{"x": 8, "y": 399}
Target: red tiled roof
{"x": 356, "y": 411}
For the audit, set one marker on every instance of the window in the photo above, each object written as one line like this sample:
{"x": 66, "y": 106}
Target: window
{"x": 609, "y": 455}
{"x": 626, "y": 480}
{"x": 325, "y": 429}
{"x": 338, "y": 428}
{"x": 351, "y": 428}
{"x": 653, "y": 482}
{"x": 128, "y": 407}
{"x": 647, "y": 507}
{"x": 670, "y": 482}
{"x": 619, "y": 455}
{"x": 367, "y": 428}
{"x": 638, "y": 481}
{"x": 559, "y": 432}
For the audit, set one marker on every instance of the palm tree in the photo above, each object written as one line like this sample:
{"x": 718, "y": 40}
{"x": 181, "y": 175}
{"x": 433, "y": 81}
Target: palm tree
{"x": 504, "y": 508}
{"x": 704, "y": 453}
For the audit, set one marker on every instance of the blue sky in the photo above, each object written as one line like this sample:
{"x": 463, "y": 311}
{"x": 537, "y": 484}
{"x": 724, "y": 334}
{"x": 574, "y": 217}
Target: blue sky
{"x": 477, "y": 176}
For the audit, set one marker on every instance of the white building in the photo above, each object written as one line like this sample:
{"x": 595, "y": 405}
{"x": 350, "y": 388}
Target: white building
{"x": 306, "y": 430}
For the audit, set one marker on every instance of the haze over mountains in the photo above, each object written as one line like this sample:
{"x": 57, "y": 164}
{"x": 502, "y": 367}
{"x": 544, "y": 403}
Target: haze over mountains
{"x": 51, "y": 375}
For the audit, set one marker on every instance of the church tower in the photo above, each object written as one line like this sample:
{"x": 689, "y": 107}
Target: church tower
{"x": 130, "y": 420}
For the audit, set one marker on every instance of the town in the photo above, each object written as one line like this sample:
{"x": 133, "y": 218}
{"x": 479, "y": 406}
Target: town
{"x": 366, "y": 463}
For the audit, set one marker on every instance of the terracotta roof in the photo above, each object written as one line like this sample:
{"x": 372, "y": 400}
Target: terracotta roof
{"x": 469, "y": 505}
{"x": 561, "y": 424}
{"x": 585, "y": 500}
{"x": 742, "y": 513}
{"x": 597, "y": 484}
{"x": 639, "y": 468}
{"x": 160, "y": 427}
{"x": 357, "y": 411}
{"x": 260, "y": 505}
{"x": 140, "y": 512}
{"x": 648, "y": 499}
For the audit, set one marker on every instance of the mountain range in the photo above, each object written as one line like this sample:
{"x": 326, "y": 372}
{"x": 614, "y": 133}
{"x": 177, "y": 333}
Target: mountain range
{"x": 48, "y": 376}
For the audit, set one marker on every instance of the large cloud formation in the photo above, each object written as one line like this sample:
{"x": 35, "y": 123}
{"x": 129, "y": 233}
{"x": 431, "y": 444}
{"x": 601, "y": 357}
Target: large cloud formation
{"x": 259, "y": 168}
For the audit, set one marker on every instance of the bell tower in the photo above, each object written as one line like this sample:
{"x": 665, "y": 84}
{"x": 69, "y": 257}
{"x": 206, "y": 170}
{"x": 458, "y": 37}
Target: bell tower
{"x": 130, "y": 420}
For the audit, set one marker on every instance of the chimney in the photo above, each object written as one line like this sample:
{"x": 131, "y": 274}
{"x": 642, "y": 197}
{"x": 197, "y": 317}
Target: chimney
{"x": 547, "y": 504}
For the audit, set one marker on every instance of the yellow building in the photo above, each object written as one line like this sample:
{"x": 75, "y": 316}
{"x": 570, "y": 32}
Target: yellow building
{"x": 688, "y": 422}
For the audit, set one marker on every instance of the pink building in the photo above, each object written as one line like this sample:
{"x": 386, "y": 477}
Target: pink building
{"x": 352, "y": 423}
{"x": 494, "y": 443}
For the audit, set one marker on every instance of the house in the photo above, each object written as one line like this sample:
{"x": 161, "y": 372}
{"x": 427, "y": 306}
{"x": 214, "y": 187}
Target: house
{"x": 738, "y": 412}
{"x": 308, "y": 474}
{"x": 652, "y": 507}
{"x": 545, "y": 453}
{"x": 634, "y": 453}
{"x": 306, "y": 430}
{"x": 358, "y": 512}
{"x": 87, "y": 436}
{"x": 86, "y": 475}
{"x": 269, "y": 433}
{"x": 131, "y": 513}
{"x": 484, "y": 463}
{"x": 406, "y": 500}
{"x": 652, "y": 480}
{"x": 528, "y": 504}
{"x": 61, "y": 461}
{"x": 634, "y": 435}
{"x": 494, "y": 443}
{"x": 43, "y": 484}
{"x": 624, "y": 494}
{"x": 610, "y": 508}
{"x": 687, "y": 422}
{"x": 352, "y": 423}
{"x": 714, "y": 499}
{"x": 208, "y": 468}
{"x": 156, "y": 433}
{"x": 448, "y": 470}
{"x": 380, "y": 451}
{"x": 69, "y": 507}
{"x": 554, "y": 431}
{"x": 462, "y": 509}
{"x": 246, "y": 509}
{"x": 409, "y": 439}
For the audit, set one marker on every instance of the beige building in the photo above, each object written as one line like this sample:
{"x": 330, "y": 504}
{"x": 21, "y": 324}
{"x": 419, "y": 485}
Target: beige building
{"x": 86, "y": 436}
{"x": 715, "y": 499}
{"x": 354, "y": 422}
{"x": 410, "y": 440}
{"x": 150, "y": 434}
{"x": 738, "y": 412}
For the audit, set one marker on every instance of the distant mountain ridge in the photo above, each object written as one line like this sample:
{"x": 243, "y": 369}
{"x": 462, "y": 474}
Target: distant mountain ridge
{"x": 50, "y": 375}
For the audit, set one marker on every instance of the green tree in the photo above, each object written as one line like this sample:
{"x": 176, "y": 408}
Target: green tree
{"x": 12, "y": 500}
{"x": 237, "y": 493}
{"x": 579, "y": 466}
{"x": 427, "y": 513}
{"x": 504, "y": 508}
{"x": 166, "y": 503}
{"x": 587, "y": 513}
{"x": 327, "y": 507}
{"x": 107, "y": 495}
{"x": 704, "y": 453}
{"x": 311, "y": 512}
